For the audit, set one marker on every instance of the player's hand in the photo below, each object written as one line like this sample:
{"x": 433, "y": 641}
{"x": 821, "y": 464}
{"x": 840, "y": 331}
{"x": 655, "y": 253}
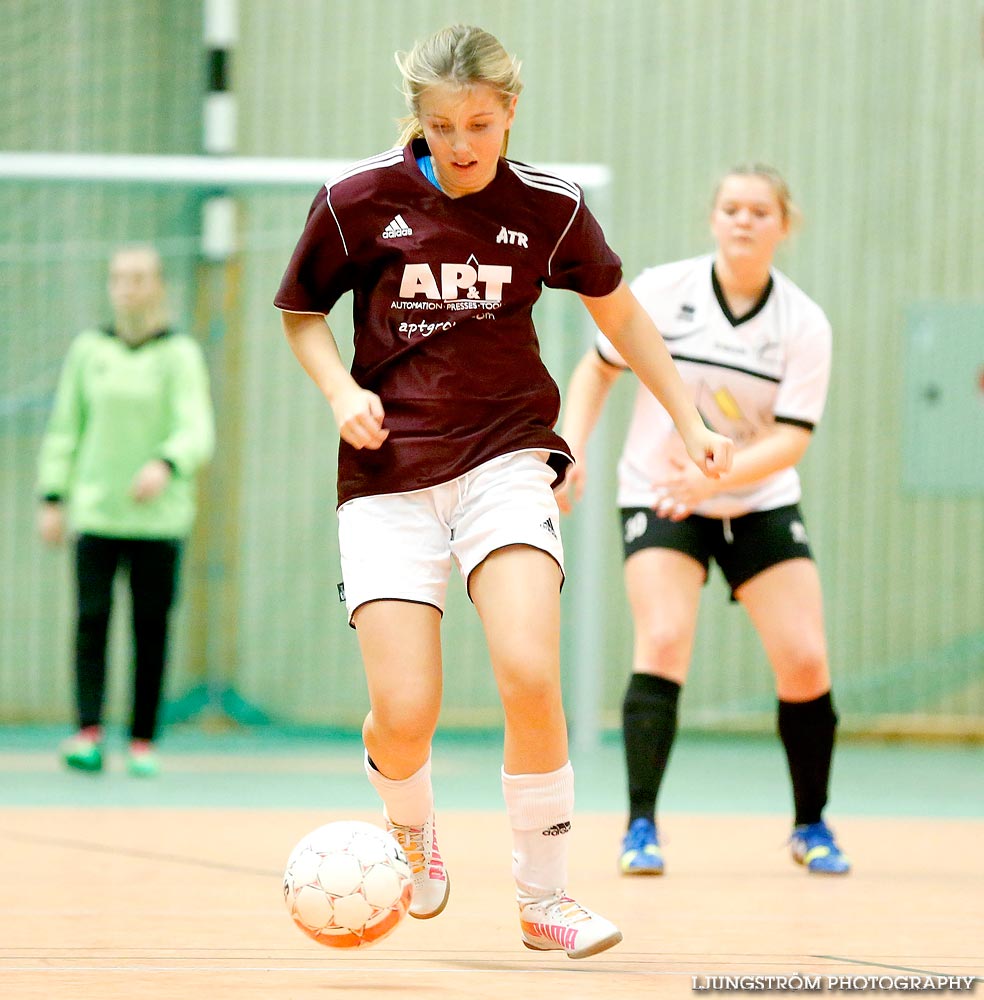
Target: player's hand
{"x": 571, "y": 489}
{"x": 51, "y": 523}
{"x": 712, "y": 453}
{"x": 150, "y": 481}
{"x": 668, "y": 507}
{"x": 359, "y": 415}
{"x": 682, "y": 489}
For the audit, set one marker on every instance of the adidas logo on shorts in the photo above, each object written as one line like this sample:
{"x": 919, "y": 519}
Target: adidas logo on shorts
{"x": 397, "y": 227}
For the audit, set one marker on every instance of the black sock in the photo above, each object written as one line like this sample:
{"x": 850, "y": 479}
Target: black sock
{"x": 649, "y": 725}
{"x": 806, "y": 729}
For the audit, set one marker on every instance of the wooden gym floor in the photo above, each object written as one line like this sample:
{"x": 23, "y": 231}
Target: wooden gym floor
{"x": 125, "y": 897}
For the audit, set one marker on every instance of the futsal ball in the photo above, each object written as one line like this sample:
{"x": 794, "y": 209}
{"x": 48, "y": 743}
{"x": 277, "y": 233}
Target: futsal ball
{"x": 348, "y": 884}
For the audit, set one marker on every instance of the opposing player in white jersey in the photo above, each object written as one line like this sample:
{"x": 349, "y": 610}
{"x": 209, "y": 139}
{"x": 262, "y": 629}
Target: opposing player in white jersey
{"x": 448, "y": 451}
{"x": 755, "y": 352}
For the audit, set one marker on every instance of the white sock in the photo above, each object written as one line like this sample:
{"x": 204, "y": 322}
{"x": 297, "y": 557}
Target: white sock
{"x": 540, "y": 808}
{"x": 406, "y": 801}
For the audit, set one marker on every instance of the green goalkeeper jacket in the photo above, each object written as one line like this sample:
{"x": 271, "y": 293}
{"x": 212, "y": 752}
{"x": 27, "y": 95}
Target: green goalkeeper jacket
{"x": 116, "y": 408}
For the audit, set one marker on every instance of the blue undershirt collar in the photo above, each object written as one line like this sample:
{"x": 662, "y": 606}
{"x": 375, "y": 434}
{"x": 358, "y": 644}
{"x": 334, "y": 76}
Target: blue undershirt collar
{"x": 426, "y": 164}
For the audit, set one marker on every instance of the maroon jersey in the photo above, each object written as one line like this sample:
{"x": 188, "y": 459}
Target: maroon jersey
{"x": 443, "y": 295}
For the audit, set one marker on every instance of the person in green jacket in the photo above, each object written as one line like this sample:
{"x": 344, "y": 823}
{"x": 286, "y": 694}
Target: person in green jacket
{"x": 132, "y": 423}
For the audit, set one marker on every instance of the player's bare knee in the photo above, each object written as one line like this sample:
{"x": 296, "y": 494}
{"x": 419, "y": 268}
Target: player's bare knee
{"x": 536, "y": 699}
{"x": 804, "y": 667}
{"x": 662, "y": 651}
{"x": 400, "y": 725}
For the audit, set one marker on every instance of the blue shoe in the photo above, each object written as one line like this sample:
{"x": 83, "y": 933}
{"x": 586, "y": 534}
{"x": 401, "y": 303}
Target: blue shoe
{"x": 640, "y": 849}
{"x": 814, "y": 846}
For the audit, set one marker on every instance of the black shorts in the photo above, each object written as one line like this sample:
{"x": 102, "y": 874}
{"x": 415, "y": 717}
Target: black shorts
{"x": 742, "y": 546}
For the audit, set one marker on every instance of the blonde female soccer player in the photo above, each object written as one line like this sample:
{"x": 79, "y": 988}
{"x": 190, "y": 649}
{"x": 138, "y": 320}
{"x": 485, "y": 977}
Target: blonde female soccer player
{"x": 448, "y": 452}
{"x": 754, "y": 351}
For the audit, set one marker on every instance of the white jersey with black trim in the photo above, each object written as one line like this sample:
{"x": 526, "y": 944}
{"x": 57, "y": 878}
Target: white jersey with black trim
{"x": 746, "y": 374}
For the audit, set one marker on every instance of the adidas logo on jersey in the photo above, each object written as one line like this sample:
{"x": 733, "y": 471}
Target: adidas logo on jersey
{"x": 548, "y": 526}
{"x": 398, "y": 227}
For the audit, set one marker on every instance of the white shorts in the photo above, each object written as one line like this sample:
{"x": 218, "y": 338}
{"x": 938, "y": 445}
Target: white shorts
{"x": 399, "y": 546}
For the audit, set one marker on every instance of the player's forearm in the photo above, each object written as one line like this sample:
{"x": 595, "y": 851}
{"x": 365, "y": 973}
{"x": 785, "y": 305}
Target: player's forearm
{"x": 314, "y": 346}
{"x": 633, "y": 334}
{"x": 783, "y": 447}
{"x": 644, "y": 351}
{"x": 60, "y": 443}
{"x": 586, "y": 394}
{"x": 191, "y": 442}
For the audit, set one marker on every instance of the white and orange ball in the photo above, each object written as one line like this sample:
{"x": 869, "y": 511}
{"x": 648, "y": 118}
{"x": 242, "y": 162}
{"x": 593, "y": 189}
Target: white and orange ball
{"x": 348, "y": 884}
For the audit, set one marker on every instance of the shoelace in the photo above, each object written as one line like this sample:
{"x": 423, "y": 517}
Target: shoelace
{"x": 815, "y": 835}
{"x": 568, "y": 909}
{"x": 638, "y": 838}
{"x": 818, "y": 834}
{"x": 411, "y": 839}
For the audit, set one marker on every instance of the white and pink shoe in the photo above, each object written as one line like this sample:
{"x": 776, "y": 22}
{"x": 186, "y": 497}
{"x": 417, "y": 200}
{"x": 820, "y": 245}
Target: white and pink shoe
{"x": 431, "y": 885}
{"x": 558, "y": 923}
